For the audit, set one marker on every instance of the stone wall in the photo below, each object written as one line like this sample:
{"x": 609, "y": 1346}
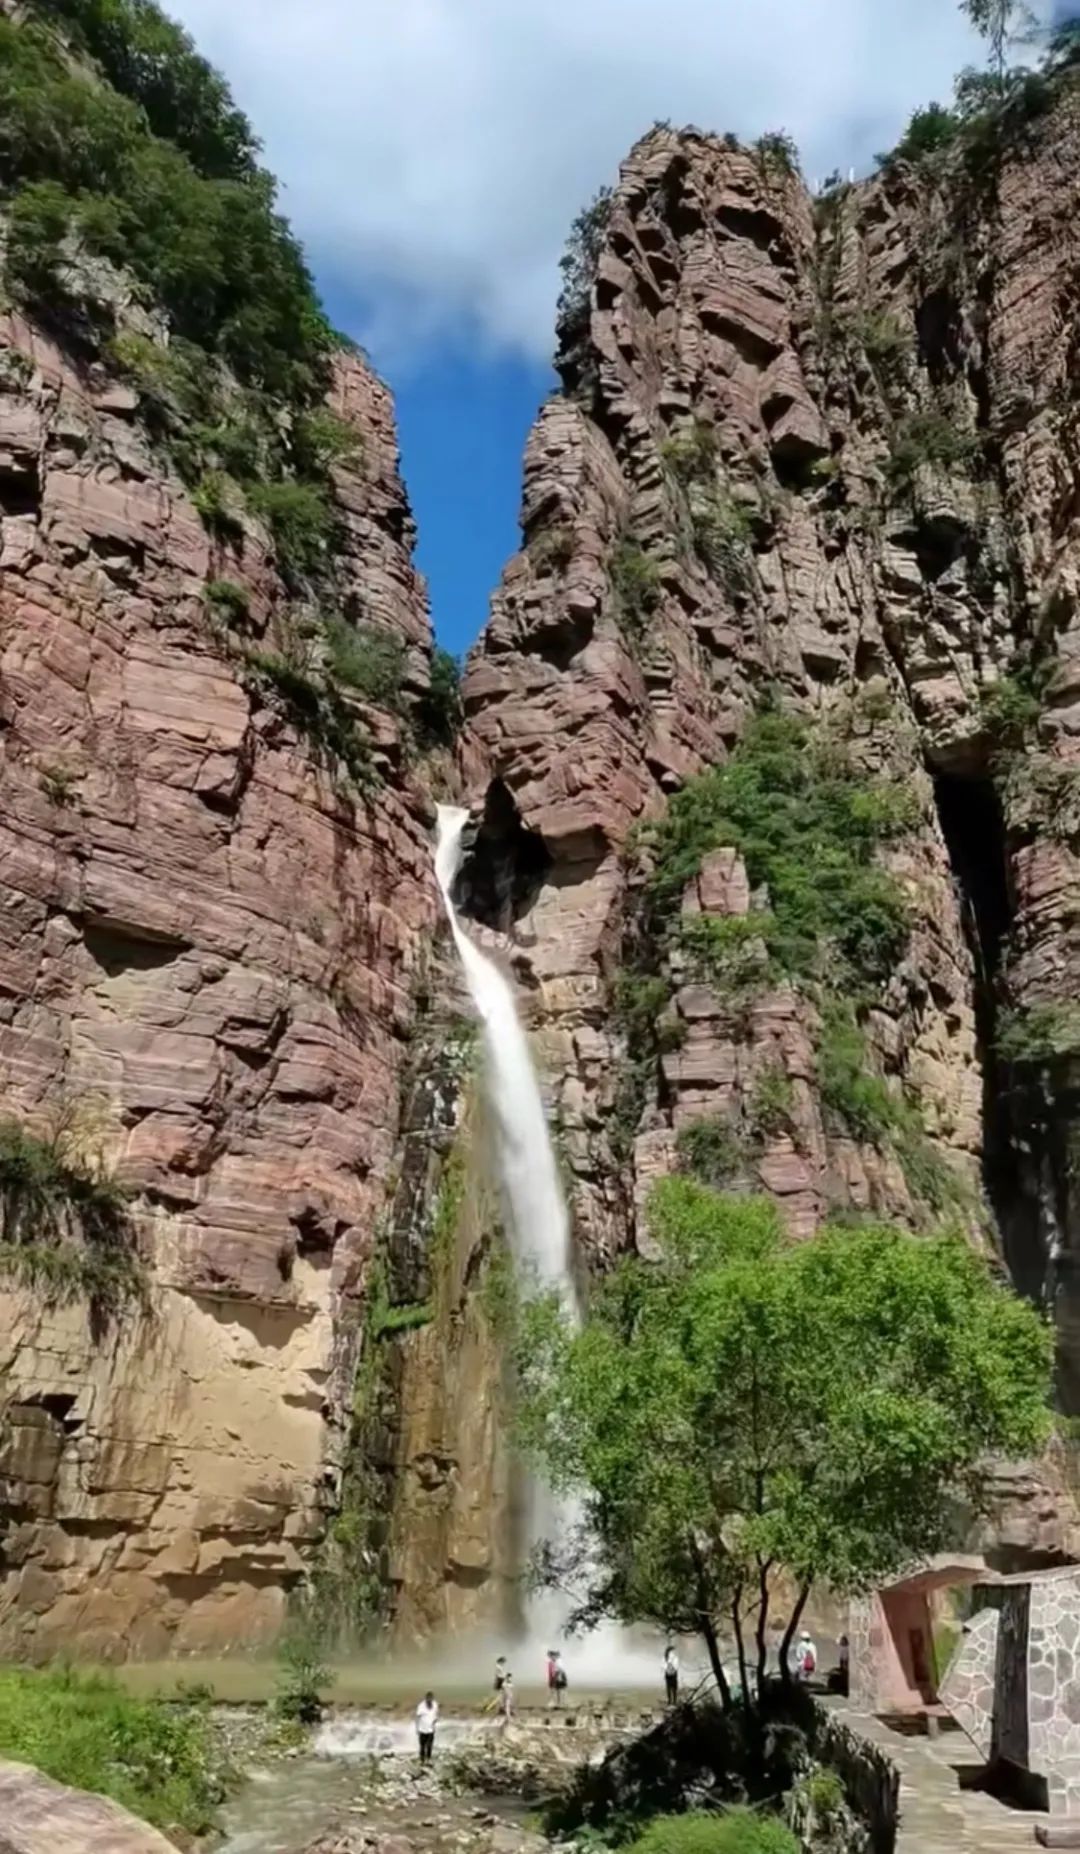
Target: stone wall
{"x": 870, "y": 1778}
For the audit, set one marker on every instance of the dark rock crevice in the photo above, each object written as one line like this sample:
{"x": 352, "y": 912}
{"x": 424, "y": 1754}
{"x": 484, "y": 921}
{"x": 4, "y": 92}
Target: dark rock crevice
{"x": 505, "y": 864}
{"x": 970, "y": 814}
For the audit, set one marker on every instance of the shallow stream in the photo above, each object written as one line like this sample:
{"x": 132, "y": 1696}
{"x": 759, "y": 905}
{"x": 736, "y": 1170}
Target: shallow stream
{"x": 362, "y": 1768}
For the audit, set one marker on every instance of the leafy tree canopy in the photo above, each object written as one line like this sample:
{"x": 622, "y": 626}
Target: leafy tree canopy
{"x": 751, "y": 1404}
{"x": 154, "y": 170}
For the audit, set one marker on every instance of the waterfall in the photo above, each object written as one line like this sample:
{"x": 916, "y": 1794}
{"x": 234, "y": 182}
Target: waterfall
{"x": 540, "y": 1238}
{"x": 527, "y": 1164}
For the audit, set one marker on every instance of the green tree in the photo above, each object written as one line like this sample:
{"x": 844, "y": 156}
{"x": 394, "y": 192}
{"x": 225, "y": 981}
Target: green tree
{"x": 1001, "y": 23}
{"x": 751, "y": 1404}
{"x": 578, "y": 266}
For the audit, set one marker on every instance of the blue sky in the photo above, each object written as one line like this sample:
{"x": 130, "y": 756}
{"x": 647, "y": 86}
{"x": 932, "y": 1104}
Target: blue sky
{"x": 463, "y": 419}
{"x": 432, "y": 154}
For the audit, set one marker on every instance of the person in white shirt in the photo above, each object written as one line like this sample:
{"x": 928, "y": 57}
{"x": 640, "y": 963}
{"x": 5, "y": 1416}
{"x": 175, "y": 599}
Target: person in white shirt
{"x": 671, "y": 1675}
{"x": 805, "y": 1657}
{"x": 427, "y": 1717}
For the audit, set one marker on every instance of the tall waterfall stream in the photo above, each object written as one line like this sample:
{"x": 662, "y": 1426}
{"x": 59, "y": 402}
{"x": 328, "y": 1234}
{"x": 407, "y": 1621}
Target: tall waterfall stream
{"x": 540, "y": 1240}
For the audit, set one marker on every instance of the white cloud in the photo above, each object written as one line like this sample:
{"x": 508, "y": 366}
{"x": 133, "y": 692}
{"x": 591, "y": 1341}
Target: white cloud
{"x": 434, "y": 152}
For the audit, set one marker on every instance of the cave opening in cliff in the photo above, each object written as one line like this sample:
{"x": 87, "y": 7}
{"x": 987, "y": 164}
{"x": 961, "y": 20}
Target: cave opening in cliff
{"x": 505, "y": 864}
{"x": 973, "y": 826}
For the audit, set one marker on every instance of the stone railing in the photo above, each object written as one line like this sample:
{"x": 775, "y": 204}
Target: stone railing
{"x": 871, "y": 1780}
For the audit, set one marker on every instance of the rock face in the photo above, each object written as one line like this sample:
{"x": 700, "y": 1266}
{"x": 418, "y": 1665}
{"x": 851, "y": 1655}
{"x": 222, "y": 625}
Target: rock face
{"x": 43, "y": 1817}
{"x": 207, "y": 957}
{"x": 818, "y": 450}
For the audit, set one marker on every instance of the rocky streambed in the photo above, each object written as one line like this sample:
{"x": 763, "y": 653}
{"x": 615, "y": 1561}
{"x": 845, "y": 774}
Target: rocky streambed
{"x": 357, "y": 1785}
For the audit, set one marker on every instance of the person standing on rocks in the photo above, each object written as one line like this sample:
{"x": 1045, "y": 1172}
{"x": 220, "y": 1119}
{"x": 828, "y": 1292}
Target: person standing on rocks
{"x": 671, "y": 1675}
{"x": 506, "y": 1698}
{"x": 556, "y": 1677}
{"x": 427, "y": 1717}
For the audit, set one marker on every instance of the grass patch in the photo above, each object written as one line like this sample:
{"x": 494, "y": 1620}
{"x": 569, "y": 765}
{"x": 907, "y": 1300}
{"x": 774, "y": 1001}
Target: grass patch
{"x": 58, "y": 782}
{"x": 552, "y": 550}
{"x": 738, "y": 1830}
{"x": 641, "y": 1004}
{"x": 772, "y": 1102}
{"x": 408, "y": 1317}
{"x": 1009, "y": 708}
{"x": 159, "y": 1759}
{"x": 230, "y": 601}
{"x": 730, "y": 952}
{"x": 692, "y": 453}
{"x": 927, "y": 440}
{"x": 500, "y": 1298}
{"x": 301, "y": 524}
{"x": 722, "y": 532}
{"x": 449, "y": 1204}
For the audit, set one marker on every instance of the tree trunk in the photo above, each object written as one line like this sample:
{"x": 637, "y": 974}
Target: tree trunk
{"x": 705, "y": 1623}
{"x": 762, "y": 1619}
{"x": 789, "y": 1632}
{"x": 740, "y": 1647}
{"x": 715, "y": 1661}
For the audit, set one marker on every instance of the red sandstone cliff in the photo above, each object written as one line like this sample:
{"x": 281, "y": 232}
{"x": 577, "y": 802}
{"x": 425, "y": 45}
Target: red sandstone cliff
{"x": 883, "y": 592}
{"x": 210, "y": 944}
{"x": 214, "y": 952}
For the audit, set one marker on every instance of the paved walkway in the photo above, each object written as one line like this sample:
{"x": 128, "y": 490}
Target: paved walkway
{"x": 937, "y": 1815}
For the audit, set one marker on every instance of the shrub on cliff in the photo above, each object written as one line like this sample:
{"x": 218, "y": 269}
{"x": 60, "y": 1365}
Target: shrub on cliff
{"x": 928, "y": 439}
{"x": 159, "y": 1759}
{"x": 749, "y": 1404}
{"x": 152, "y": 60}
{"x": 808, "y": 827}
{"x": 636, "y": 582}
{"x": 440, "y": 713}
{"x": 303, "y": 1675}
{"x": 778, "y": 155}
{"x": 929, "y": 130}
{"x": 367, "y": 659}
{"x": 578, "y": 266}
{"x": 1034, "y": 1035}
{"x": 65, "y": 1225}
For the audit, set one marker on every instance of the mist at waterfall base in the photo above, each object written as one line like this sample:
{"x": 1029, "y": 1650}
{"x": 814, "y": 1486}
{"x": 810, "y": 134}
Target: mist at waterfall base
{"x": 540, "y": 1241}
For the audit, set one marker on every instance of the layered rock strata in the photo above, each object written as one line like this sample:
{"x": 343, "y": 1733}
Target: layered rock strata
{"x": 820, "y": 450}
{"x": 208, "y": 962}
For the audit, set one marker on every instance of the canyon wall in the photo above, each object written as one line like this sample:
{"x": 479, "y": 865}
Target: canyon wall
{"x": 814, "y": 458}
{"x": 209, "y": 960}
{"x": 818, "y": 453}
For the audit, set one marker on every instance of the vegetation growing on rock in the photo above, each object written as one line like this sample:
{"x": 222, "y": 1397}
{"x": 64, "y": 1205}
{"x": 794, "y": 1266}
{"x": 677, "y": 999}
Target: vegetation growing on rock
{"x": 578, "y": 266}
{"x": 65, "y": 1226}
{"x": 807, "y": 827}
{"x": 709, "y": 1831}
